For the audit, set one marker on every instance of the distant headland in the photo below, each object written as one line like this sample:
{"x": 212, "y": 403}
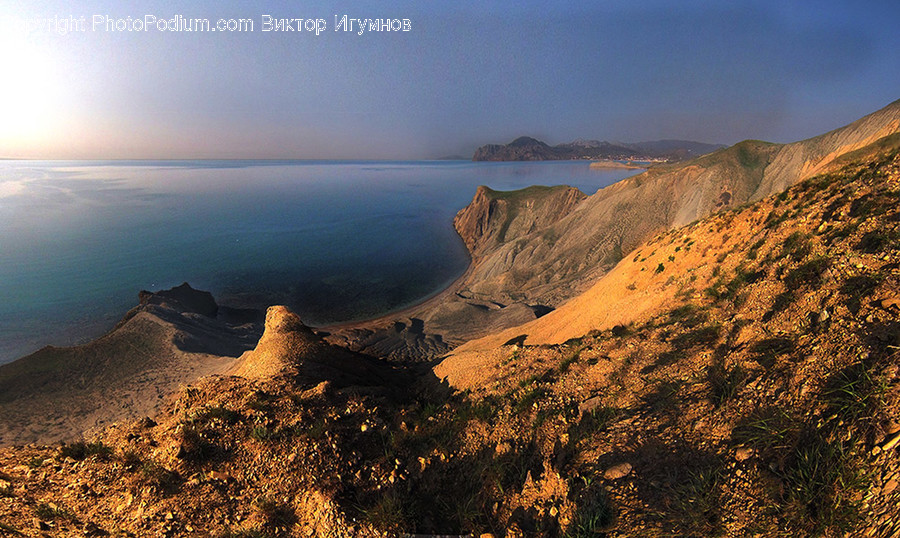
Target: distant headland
{"x": 526, "y": 148}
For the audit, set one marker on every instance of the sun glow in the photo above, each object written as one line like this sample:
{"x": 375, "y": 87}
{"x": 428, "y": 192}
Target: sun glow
{"x": 29, "y": 94}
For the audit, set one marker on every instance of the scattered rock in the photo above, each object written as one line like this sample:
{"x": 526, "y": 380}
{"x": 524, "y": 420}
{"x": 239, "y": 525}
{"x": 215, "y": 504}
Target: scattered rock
{"x": 890, "y": 302}
{"x": 589, "y": 405}
{"x": 219, "y": 475}
{"x": 617, "y": 471}
{"x": 891, "y": 442}
{"x": 147, "y": 423}
{"x": 889, "y": 487}
{"x": 744, "y": 454}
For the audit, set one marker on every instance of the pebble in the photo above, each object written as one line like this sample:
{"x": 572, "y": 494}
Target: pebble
{"x": 891, "y": 443}
{"x": 617, "y": 471}
{"x": 889, "y": 488}
{"x": 219, "y": 475}
{"x": 743, "y": 453}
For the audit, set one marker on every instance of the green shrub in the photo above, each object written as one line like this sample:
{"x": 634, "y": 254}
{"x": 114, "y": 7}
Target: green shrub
{"x": 81, "y": 450}
{"x": 724, "y": 382}
{"x": 595, "y": 515}
{"x": 808, "y": 274}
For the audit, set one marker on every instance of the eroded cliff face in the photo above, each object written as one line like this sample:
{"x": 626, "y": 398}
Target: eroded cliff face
{"x": 493, "y": 217}
{"x": 550, "y": 263}
{"x": 490, "y": 221}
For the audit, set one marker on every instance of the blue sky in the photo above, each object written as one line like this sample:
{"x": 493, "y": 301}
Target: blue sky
{"x": 468, "y": 73}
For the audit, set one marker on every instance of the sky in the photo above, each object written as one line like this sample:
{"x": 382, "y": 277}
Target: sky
{"x": 465, "y": 74}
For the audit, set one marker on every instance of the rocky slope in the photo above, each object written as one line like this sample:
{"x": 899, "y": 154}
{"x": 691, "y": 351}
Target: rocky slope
{"x": 738, "y": 376}
{"x": 750, "y": 387}
{"x": 173, "y": 337}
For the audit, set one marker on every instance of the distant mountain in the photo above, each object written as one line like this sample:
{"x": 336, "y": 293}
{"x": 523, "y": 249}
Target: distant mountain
{"x": 526, "y": 148}
{"x": 678, "y": 150}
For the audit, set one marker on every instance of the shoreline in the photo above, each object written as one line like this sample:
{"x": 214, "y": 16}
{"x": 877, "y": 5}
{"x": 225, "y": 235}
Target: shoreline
{"x": 407, "y": 311}
{"x": 630, "y": 165}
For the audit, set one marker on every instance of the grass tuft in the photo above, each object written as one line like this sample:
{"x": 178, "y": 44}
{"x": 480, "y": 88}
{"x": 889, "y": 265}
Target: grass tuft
{"x": 81, "y": 450}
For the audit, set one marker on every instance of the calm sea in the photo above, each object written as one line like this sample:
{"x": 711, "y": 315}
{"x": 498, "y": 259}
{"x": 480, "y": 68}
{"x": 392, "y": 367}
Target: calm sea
{"x": 336, "y": 241}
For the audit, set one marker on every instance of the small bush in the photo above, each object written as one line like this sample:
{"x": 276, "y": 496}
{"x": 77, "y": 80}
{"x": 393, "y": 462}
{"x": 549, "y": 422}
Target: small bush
{"x": 527, "y": 399}
{"x": 706, "y": 335}
{"x": 131, "y": 459}
{"x": 687, "y": 314}
{"x": 595, "y": 516}
{"x": 278, "y": 518}
{"x": 9, "y": 529}
{"x": 47, "y": 512}
{"x": 81, "y": 450}
{"x": 857, "y": 288}
{"x": 767, "y": 351}
{"x": 824, "y": 483}
{"x": 797, "y": 246}
{"x": 217, "y": 413}
{"x": 724, "y": 383}
{"x": 387, "y": 514}
{"x": 261, "y": 433}
{"x": 856, "y": 396}
{"x": 808, "y": 274}
{"x": 568, "y": 361}
{"x": 195, "y": 446}
{"x": 874, "y": 242}
{"x": 159, "y": 478}
{"x": 597, "y": 419}
{"x": 663, "y": 397}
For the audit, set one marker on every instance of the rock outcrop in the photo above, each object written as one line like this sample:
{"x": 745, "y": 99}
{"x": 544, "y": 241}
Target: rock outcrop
{"x": 493, "y": 216}
{"x": 281, "y": 349}
{"x": 173, "y": 337}
{"x": 290, "y": 349}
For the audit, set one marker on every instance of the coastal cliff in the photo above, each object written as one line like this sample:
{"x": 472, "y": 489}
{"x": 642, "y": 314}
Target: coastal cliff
{"x": 584, "y": 244}
{"x": 493, "y": 216}
{"x": 536, "y": 248}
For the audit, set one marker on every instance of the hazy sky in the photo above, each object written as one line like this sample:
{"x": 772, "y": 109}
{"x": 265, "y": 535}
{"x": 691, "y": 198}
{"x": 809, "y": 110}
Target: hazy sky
{"x": 466, "y": 74}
